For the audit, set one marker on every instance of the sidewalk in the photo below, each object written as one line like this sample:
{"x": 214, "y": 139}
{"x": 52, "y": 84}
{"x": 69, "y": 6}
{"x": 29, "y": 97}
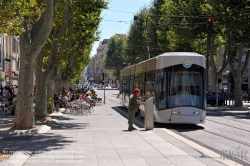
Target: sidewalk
{"x": 102, "y": 139}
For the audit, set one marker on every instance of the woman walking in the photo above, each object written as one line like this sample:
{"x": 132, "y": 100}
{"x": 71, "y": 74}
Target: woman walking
{"x": 134, "y": 104}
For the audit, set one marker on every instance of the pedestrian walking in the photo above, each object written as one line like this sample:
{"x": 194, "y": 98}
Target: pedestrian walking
{"x": 133, "y": 107}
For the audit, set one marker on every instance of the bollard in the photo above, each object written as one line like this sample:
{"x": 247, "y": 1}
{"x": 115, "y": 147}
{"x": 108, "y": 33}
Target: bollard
{"x": 149, "y": 114}
{"x": 34, "y": 120}
{"x": 3, "y": 108}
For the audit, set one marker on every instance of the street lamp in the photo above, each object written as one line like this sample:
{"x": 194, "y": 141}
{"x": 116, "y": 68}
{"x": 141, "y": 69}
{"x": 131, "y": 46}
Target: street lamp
{"x": 104, "y": 72}
{"x": 148, "y": 52}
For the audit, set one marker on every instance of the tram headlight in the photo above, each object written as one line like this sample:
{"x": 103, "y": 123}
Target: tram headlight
{"x": 176, "y": 112}
{"x": 187, "y": 63}
{"x": 196, "y": 112}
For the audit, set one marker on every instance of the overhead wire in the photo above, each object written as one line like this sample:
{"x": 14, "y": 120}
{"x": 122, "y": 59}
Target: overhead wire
{"x": 187, "y": 16}
{"x": 119, "y": 11}
{"x": 181, "y": 16}
{"x": 117, "y": 21}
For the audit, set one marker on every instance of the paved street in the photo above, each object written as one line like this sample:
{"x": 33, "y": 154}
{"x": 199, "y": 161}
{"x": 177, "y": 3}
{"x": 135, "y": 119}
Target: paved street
{"x": 102, "y": 139}
{"x": 225, "y": 130}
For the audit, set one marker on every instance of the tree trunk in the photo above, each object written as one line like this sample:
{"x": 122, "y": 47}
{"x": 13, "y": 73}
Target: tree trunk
{"x": 24, "y": 108}
{"x": 213, "y": 80}
{"x": 50, "y": 94}
{"x": 237, "y": 73}
{"x": 215, "y": 72}
{"x": 31, "y": 43}
{"x": 41, "y": 88}
{"x": 238, "y": 90}
{"x": 57, "y": 81}
{"x": 40, "y": 96}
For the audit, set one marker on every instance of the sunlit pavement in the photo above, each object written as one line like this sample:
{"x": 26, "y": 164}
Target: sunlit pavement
{"x": 102, "y": 138}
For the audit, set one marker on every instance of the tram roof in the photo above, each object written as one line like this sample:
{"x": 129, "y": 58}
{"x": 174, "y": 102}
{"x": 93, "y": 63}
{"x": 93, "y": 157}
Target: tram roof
{"x": 174, "y": 58}
{"x": 180, "y": 54}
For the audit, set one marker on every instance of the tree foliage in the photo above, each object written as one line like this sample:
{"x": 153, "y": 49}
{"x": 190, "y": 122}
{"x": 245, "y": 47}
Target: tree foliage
{"x": 85, "y": 23}
{"x": 115, "y": 56}
{"x": 137, "y": 44}
{"x": 33, "y": 21}
{"x": 183, "y": 26}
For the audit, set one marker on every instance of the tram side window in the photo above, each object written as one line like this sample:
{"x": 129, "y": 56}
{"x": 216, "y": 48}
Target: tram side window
{"x": 139, "y": 83}
{"x": 150, "y": 84}
{"x": 131, "y": 85}
{"x": 126, "y": 85}
{"x": 161, "y": 98}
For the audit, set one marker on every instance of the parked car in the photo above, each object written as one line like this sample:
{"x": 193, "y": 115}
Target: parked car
{"x": 212, "y": 97}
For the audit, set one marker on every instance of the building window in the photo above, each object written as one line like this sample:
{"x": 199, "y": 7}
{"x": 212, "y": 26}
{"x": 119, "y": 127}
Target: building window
{"x": 245, "y": 79}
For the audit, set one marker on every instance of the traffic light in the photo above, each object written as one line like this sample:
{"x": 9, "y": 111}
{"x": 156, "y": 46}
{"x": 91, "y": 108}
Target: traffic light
{"x": 219, "y": 80}
{"x": 209, "y": 24}
{"x": 135, "y": 18}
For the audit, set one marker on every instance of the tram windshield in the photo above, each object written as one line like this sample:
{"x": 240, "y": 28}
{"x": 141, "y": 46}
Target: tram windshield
{"x": 182, "y": 87}
{"x": 186, "y": 87}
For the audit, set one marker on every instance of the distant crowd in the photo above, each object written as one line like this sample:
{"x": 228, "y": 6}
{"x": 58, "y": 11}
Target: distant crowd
{"x": 87, "y": 94}
{"x": 8, "y": 96}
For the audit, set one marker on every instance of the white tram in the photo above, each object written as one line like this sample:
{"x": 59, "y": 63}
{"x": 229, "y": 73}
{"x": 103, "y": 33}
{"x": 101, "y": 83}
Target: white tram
{"x": 176, "y": 81}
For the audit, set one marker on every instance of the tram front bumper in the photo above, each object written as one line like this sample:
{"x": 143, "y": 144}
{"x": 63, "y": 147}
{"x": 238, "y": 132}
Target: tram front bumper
{"x": 188, "y": 119}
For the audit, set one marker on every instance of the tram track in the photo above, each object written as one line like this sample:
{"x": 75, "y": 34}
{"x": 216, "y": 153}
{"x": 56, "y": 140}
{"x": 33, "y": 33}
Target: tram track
{"x": 231, "y": 139}
{"x": 228, "y": 125}
{"x": 235, "y": 120}
{"x": 182, "y": 131}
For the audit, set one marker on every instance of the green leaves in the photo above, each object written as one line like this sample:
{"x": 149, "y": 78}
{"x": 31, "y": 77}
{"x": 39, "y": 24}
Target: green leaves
{"x": 114, "y": 59}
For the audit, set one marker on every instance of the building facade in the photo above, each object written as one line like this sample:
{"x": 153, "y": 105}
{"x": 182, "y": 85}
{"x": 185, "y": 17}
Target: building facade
{"x": 9, "y": 60}
{"x": 97, "y": 63}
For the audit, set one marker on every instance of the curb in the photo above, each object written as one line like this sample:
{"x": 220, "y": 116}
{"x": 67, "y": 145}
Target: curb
{"x": 44, "y": 129}
{"x": 20, "y": 157}
{"x": 17, "y": 159}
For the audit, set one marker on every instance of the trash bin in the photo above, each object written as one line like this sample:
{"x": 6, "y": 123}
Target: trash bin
{"x": 149, "y": 114}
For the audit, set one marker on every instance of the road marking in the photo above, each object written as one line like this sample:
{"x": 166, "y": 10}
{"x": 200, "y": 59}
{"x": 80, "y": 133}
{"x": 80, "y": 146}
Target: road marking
{"x": 202, "y": 149}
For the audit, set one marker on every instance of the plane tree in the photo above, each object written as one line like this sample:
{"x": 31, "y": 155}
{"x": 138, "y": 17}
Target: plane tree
{"x": 189, "y": 29}
{"x": 66, "y": 53}
{"x": 114, "y": 59}
{"x": 137, "y": 44}
{"x": 46, "y": 59}
{"x": 36, "y": 26}
{"x": 233, "y": 16}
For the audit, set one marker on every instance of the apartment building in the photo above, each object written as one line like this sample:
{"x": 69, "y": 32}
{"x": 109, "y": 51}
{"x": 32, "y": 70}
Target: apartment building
{"x": 97, "y": 63}
{"x": 9, "y": 60}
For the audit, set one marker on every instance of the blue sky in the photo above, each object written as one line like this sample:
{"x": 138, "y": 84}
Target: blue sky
{"x": 127, "y": 8}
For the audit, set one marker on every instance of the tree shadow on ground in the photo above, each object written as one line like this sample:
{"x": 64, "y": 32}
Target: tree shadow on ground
{"x": 6, "y": 120}
{"x": 58, "y": 122}
{"x": 63, "y": 125}
{"x": 61, "y": 117}
{"x": 41, "y": 142}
